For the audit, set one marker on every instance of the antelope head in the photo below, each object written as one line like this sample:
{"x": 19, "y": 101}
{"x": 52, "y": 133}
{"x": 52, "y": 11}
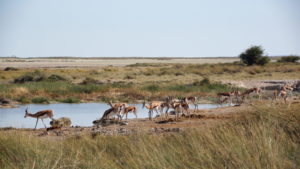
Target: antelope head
{"x": 110, "y": 104}
{"x": 26, "y": 112}
{"x": 144, "y": 103}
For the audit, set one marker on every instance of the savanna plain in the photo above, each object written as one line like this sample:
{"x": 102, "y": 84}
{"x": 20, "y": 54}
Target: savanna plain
{"x": 259, "y": 132}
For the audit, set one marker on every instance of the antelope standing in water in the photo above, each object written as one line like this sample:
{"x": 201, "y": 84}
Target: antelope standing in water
{"x": 179, "y": 108}
{"x": 154, "y": 105}
{"x": 118, "y": 107}
{"x": 228, "y": 96}
{"x": 191, "y": 99}
{"x": 129, "y": 109}
{"x": 40, "y": 115}
{"x": 151, "y": 108}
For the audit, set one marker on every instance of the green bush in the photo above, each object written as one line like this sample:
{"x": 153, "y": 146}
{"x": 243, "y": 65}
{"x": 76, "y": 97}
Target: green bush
{"x": 35, "y": 76}
{"x": 23, "y": 100}
{"x": 204, "y": 81}
{"x": 11, "y": 69}
{"x": 55, "y": 77}
{"x": 151, "y": 88}
{"x": 263, "y": 61}
{"x": 129, "y": 77}
{"x": 254, "y": 56}
{"x": 39, "y": 100}
{"x": 70, "y": 100}
{"x": 89, "y": 80}
{"x": 292, "y": 59}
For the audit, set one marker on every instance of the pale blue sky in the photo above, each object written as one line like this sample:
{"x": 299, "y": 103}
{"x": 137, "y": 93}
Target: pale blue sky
{"x": 192, "y": 28}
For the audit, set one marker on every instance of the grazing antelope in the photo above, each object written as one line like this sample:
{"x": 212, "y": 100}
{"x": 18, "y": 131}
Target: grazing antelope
{"x": 255, "y": 90}
{"x": 109, "y": 113}
{"x": 226, "y": 95}
{"x": 283, "y": 92}
{"x": 128, "y": 109}
{"x": 288, "y": 89}
{"x": 280, "y": 93}
{"x": 167, "y": 104}
{"x": 191, "y": 99}
{"x": 118, "y": 107}
{"x": 40, "y": 115}
{"x": 179, "y": 108}
{"x": 151, "y": 108}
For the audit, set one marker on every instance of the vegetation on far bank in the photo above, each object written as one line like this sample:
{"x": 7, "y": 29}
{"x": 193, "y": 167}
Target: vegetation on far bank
{"x": 261, "y": 137}
{"x": 134, "y": 82}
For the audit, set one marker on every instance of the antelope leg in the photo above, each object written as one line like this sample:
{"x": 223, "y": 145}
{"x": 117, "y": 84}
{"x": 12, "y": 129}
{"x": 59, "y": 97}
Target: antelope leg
{"x": 36, "y": 123}
{"x": 44, "y": 123}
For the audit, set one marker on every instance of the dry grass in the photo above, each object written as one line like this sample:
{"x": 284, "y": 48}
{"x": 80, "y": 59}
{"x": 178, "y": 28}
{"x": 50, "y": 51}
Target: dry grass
{"x": 263, "y": 137}
{"x": 143, "y": 80}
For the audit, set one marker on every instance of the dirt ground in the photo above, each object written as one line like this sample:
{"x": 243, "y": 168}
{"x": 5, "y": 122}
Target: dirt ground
{"x": 201, "y": 119}
{"x": 100, "y": 62}
{"x": 264, "y": 84}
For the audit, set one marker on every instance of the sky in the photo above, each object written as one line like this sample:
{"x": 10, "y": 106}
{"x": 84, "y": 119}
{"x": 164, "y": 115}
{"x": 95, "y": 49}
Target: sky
{"x": 152, "y": 28}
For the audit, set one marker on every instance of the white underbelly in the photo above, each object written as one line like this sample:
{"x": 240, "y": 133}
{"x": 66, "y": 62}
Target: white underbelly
{"x": 44, "y": 116}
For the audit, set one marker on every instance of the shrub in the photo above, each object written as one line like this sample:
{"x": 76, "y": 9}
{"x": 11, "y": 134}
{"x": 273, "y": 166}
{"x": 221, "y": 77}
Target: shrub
{"x": 39, "y": 100}
{"x": 179, "y": 74}
{"x": 70, "y": 100}
{"x": 23, "y": 100}
{"x": 292, "y": 59}
{"x": 28, "y": 77}
{"x": 89, "y": 80}
{"x": 55, "y": 77}
{"x": 10, "y": 69}
{"x": 263, "y": 60}
{"x": 23, "y": 79}
{"x": 254, "y": 56}
{"x": 152, "y": 88}
{"x": 129, "y": 77}
{"x": 205, "y": 81}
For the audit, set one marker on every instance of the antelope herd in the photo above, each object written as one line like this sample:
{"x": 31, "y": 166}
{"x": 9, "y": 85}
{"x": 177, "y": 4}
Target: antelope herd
{"x": 179, "y": 106}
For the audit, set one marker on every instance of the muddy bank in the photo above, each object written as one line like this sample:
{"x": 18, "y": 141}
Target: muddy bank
{"x": 200, "y": 119}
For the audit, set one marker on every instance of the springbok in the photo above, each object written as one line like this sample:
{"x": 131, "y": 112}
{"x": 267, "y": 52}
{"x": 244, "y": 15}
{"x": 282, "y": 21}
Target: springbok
{"x": 179, "y": 108}
{"x": 128, "y": 109}
{"x": 154, "y": 105}
{"x": 289, "y": 89}
{"x": 118, "y": 107}
{"x": 191, "y": 99}
{"x": 109, "y": 113}
{"x": 228, "y": 96}
{"x": 40, "y": 115}
{"x": 281, "y": 93}
{"x": 255, "y": 90}
{"x": 151, "y": 108}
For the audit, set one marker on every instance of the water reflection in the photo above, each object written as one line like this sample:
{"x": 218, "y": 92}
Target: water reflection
{"x": 81, "y": 114}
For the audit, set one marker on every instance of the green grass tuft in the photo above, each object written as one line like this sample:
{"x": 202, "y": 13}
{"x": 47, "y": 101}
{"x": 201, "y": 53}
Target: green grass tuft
{"x": 39, "y": 100}
{"x": 70, "y": 100}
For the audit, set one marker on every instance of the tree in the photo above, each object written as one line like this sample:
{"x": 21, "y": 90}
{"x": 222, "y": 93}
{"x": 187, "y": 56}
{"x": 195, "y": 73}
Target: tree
{"x": 291, "y": 58}
{"x": 254, "y": 56}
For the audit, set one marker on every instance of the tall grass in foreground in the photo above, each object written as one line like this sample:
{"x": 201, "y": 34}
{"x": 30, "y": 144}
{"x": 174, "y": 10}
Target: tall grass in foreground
{"x": 261, "y": 138}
